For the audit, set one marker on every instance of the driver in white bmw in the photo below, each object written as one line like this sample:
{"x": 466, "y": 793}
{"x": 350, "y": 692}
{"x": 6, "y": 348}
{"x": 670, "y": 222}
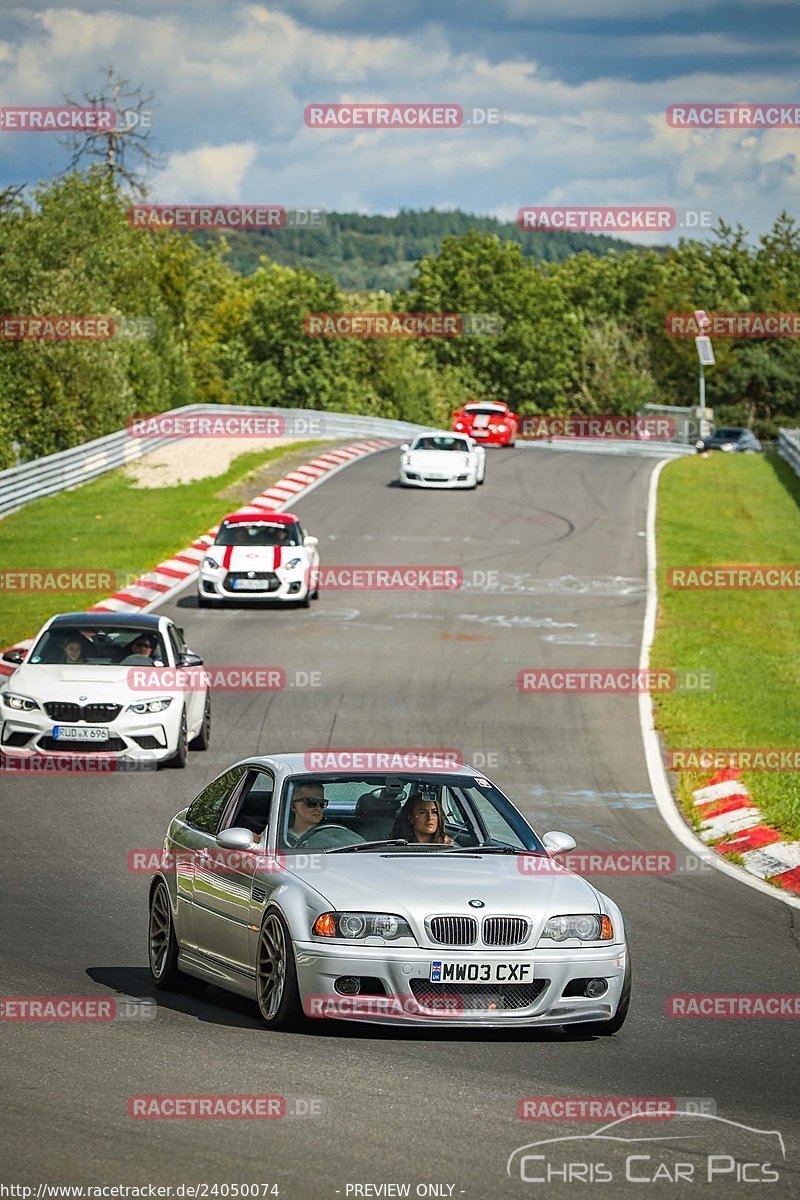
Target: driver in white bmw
{"x": 308, "y": 808}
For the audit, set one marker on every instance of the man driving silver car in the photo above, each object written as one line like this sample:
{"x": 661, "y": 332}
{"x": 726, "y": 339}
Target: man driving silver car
{"x": 307, "y": 810}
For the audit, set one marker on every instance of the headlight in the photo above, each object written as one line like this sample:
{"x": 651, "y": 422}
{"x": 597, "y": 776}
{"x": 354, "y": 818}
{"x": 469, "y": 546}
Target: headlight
{"x": 459, "y": 425}
{"x": 501, "y": 428}
{"x": 208, "y": 561}
{"x": 23, "y": 703}
{"x": 148, "y": 706}
{"x": 354, "y": 926}
{"x": 587, "y": 927}
{"x": 295, "y": 562}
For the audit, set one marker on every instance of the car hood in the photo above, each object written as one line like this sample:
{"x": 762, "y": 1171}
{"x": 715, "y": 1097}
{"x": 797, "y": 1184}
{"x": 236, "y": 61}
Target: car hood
{"x": 429, "y": 884}
{"x": 438, "y": 460}
{"x": 61, "y": 682}
{"x": 256, "y": 558}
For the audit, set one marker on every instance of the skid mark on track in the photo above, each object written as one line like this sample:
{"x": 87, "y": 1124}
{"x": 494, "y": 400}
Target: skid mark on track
{"x": 500, "y": 620}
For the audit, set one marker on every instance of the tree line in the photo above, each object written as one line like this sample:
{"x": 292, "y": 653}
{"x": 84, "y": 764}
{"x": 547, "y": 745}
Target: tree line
{"x": 582, "y": 334}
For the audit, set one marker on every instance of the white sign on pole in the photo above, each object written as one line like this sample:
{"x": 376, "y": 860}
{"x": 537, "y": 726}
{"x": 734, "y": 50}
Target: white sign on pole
{"x": 705, "y": 351}
{"x": 701, "y": 319}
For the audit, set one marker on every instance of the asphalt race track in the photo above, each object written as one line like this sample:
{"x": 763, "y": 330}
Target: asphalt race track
{"x": 565, "y": 533}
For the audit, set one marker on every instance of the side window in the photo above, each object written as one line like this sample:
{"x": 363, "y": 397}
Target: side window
{"x": 205, "y": 811}
{"x": 177, "y": 642}
{"x": 251, "y": 809}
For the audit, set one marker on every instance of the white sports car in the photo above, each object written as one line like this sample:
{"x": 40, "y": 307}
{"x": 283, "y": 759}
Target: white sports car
{"x": 105, "y": 684}
{"x": 442, "y": 460}
{"x": 259, "y": 556}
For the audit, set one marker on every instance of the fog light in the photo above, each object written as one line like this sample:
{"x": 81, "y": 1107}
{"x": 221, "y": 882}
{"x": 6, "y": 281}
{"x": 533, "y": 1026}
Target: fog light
{"x": 596, "y": 987}
{"x": 348, "y": 985}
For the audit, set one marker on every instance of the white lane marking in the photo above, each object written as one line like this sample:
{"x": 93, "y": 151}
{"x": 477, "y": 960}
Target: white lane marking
{"x": 670, "y": 814}
{"x": 495, "y": 619}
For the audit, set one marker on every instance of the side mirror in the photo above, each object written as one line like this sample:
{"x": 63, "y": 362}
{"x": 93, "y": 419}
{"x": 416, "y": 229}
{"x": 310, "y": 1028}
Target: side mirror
{"x": 16, "y": 656}
{"x": 405, "y": 447}
{"x": 190, "y": 659}
{"x": 558, "y": 843}
{"x": 308, "y": 540}
{"x": 236, "y": 839}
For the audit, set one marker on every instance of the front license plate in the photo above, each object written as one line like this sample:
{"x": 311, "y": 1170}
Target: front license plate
{"x": 448, "y": 971}
{"x": 250, "y": 585}
{"x": 80, "y": 733}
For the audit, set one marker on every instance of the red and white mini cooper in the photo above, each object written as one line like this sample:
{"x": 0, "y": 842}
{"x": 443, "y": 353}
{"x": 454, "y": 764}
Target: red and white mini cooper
{"x": 259, "y": 556}
{"x": 490, "y": 422}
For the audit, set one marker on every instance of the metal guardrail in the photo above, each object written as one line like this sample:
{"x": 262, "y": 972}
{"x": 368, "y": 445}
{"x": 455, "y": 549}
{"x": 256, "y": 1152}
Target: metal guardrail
{"x": 71, "y": 468}
{"x": 789, "y": 448}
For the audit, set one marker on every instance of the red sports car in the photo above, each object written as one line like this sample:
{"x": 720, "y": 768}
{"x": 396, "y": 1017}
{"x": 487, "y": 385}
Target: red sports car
{"x": 490, "y": 422}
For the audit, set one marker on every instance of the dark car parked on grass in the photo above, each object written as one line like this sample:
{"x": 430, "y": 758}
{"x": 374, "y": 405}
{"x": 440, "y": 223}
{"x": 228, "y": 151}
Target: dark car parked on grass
{"x": 732, "y": 441}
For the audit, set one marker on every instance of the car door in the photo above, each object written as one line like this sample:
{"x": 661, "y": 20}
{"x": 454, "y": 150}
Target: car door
{"x": 223, "y": 879}
{"x": 197, "y": 834}
{"x": 193, "y": 697}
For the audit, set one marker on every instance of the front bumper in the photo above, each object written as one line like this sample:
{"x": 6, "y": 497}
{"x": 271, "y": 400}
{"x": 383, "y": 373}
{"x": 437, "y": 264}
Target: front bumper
{"x": 130, "y": 736}
{"x": 281, "y": 586}
{"x": 410, "y": 478}
{"x": 404, "y": 972}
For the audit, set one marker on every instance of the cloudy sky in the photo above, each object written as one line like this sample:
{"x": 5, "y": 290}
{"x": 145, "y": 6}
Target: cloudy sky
{"x": 582, "y": 86}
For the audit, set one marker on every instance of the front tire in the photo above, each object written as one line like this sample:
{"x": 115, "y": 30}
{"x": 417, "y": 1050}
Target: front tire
{"x": 181, "y": 756}
{"x": 162, "y": 947}
{"x": 607, "y": 1028}
{"x": 203, "y": 738}
{"x": 276, "y": 975}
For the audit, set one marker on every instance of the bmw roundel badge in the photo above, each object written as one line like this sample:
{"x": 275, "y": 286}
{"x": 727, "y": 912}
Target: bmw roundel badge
{"x": 476, "y": 904}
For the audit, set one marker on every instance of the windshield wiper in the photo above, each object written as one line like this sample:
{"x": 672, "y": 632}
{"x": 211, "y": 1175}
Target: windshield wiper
{"x": 368, "y": 845}
{"x": 490, "y": 850}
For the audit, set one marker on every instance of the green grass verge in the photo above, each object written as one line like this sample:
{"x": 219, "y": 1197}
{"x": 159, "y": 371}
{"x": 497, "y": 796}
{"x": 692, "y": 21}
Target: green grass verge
{"x": 110, "y": 525}
{"x": 728, "y": 509}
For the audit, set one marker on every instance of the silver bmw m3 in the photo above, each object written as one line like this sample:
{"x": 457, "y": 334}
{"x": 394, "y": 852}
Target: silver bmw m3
{"x": 388, "y": 895}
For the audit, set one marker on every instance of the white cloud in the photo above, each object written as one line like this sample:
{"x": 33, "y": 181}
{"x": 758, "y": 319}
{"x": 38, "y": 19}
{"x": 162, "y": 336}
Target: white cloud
{"x": 194, "y": 176}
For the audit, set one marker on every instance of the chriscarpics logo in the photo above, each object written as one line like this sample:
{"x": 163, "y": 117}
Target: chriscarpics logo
{"x": 696, "y": 1148}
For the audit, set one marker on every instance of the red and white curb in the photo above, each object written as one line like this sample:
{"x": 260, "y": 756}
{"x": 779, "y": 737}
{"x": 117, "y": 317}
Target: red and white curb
{"x": 156, "y": 586}
{"x": 732, "y": 824}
